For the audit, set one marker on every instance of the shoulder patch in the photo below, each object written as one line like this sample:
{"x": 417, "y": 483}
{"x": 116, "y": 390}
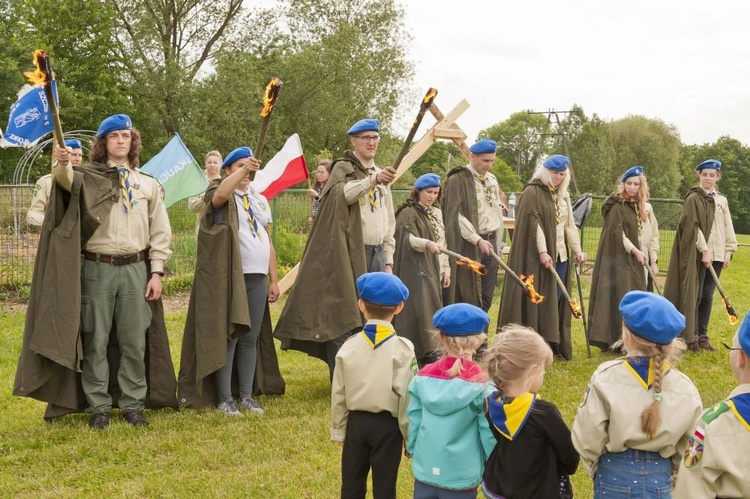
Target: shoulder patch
{"x": 694, "y": 450}
{"x": 715, "y": 411}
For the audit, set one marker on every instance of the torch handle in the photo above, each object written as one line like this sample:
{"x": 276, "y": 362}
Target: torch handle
{"x": 560, "y": 284}
{"x": 426, "y": 102}
{"x": 53, "y": 109}
{"x": 508, "y": 270}
{"x": 261, "y": 141}
{"x": 716, "y": 280}
{"x": 653, "y": 278}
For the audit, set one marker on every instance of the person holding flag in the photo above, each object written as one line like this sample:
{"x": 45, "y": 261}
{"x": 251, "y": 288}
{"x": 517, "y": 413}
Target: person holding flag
{"x": 43, "y": 187}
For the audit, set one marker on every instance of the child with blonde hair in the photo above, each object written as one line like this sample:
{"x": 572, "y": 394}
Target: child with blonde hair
{"x": 638, "y": 411}
{"x": 534, "y": 454}
{"x": 449, "y": 438}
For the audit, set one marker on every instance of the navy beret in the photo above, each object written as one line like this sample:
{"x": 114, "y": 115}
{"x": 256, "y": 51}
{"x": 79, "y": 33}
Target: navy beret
{"x": 743, "y": 335}
{"x": 632, "y": 172}
{"x": 484, "y": 146}
{"x": 712, "y": 164}
{"x": 557, "y": 163}
{"x": 382, "y": 288}
{"x": 651, "y": 316}
{"x": 114, "y": 123}
{"x": 427, "y": 180}
{"x": 73, "y": 143}
{"x": 461, "y": 319}
{"x": 366, "y": 125}
{"x": 239, "y": 153}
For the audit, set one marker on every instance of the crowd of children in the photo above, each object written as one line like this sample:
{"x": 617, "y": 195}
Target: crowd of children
{"x": 468, "y": 425}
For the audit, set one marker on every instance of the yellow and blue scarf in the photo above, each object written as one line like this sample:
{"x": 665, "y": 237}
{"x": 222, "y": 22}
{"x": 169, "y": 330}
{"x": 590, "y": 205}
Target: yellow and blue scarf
{"x": 740, "y": 406}
{"x": 377, "y": 334}
{"x": 508, "y": 418}
{"x": 642, "y": 368}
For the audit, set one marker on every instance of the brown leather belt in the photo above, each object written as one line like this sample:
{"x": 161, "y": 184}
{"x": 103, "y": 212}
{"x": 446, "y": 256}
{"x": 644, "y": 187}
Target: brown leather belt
{"x": 489, "y": 237}
{"x": 115, "y": 259}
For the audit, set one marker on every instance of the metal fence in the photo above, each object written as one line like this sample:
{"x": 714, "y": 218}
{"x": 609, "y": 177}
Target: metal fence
{"x": 291, "y": 211}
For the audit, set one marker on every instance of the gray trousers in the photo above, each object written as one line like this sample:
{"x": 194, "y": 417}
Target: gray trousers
{"x": 489, "y": 281}
{"x": 375, "y": 258}
{"x": 256, "y": 286}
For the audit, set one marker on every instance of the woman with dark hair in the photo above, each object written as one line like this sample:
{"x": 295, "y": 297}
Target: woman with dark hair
{"x": 620, "y": 261}
{"x": 420, "y": 234}
{"x": 322, "y": 173}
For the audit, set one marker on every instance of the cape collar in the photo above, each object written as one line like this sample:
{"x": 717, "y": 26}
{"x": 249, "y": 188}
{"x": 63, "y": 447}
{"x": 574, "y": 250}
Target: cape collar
{"x": 509, "y": 417}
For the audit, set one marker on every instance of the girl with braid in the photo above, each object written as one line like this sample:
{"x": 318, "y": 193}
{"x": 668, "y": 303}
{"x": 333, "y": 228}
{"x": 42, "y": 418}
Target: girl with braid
{"x": 638, "y": 411}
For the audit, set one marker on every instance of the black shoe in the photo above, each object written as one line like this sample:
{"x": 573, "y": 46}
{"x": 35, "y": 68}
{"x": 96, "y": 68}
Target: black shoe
{"x": 99, "y": 420}
{"x": 136, "y": 418}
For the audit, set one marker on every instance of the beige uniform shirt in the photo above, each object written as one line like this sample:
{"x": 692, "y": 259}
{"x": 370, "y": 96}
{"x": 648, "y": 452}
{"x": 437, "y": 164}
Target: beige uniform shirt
{"x": 372, "y": 380}
{"x": 566, "y": 230}
{"x": 39, "y": 200}
{"x": 650, "y": 235}
{"x": 420, "y": 244}
{"x": 490, "y": 214}
{"x": 146, "y": 225}
{"x": 609, "y": 417}
{"x": 722, "y": 242}
{"x": 378, "y": 225}
{"x": 716, "y": 462}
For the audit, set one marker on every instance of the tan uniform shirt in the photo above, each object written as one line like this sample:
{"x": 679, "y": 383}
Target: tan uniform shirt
{"x": 490, "y": 214}
{"x": 648, "y": 237}
{"x": 609, "y": 417}
{"x": 420, "y": 244}
{"x": 722, "y": 242}
{"x": 566, "y": 230}
{"x": 372, "y": 380}
{"x": 146, "y": 225}
{"x": 721, "y": 467}
{"x": 39, "y": 200}
{"x": 378, "y": 225}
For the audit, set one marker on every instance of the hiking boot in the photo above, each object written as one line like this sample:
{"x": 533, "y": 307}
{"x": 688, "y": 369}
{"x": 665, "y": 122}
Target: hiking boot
{"x": 229, "y": 408}
{"x": 693, "y": 346}
{"x": 704, "y": 343}
{"x": 99, "y": 420}
{"x": 250, "y": 405}
{"x": 136, "y": 419}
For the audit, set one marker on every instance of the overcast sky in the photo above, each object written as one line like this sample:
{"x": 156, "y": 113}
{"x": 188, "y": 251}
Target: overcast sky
{"x": 686, "y": 62}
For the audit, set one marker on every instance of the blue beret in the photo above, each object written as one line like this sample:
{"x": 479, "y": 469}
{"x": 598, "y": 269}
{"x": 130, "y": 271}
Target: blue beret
{"x": 366, "y": 125}
{"x": 743, "y": 335}
{"x": 427, "y": 180}
{"x": 239, "y": 153}
{"x": 651, "y": 316}
{"x": 484, "y": 146}
{"x": 461, "y": 319}
{"x": 381, "y": 288}
{"x": 713, "y": 164}
{"x": 557, "y": 163}
{"x": 632, "y": 172}
{"x": 114, "y": 123}
{"x": 73, "y": 143}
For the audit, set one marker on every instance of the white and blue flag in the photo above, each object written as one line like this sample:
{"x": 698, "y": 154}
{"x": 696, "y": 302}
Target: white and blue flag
{"x": 30, "y": 117}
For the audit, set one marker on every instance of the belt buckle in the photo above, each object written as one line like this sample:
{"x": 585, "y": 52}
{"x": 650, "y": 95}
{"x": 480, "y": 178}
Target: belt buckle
{"x": 119, "y": 258}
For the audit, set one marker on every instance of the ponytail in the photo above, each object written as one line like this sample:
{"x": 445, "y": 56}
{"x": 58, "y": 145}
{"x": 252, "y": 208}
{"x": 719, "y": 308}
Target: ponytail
{"x": 651, "y": 416}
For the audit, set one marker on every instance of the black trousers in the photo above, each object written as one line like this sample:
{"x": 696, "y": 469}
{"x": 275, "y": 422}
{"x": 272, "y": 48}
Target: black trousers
{"x": 706, "y": 288}
{"x": 489, "y": 281}
{"x": 373, "y": 440}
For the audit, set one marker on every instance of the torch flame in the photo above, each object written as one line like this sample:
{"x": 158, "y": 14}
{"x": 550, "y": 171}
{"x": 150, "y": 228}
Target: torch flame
{"x": 473, "y": 265}
{"x": 535, "y": 297}
{"x": 269, "y": 98}
{"x": 733, "y": 319}
{"x": 39, "y": 75}
{"x": 575, "y": 309}
{"x": 430, "y": 96}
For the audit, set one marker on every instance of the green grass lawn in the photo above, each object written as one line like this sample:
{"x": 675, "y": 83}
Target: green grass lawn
{"x": 285, "y": 453}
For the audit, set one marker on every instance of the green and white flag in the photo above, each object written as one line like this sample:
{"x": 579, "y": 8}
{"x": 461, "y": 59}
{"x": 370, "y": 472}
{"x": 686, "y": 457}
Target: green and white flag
{"x": 177, "y": 171}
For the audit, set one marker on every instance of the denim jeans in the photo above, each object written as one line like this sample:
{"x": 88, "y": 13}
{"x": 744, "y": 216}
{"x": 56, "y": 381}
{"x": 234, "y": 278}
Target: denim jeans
{"x": 632, "y": 474}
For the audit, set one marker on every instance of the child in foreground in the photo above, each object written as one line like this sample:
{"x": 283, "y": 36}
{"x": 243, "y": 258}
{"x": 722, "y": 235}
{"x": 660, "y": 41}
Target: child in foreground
{"x": 717, "y": 459}
{"x": 369, "y": 392}
{"x": 534, "y": 454}
{"x": 638, "y": 411}
{"x": 449, "y": 438}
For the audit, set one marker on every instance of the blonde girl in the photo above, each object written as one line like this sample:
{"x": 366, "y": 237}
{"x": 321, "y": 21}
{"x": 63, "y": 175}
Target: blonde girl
{"x": 534, "y": 454}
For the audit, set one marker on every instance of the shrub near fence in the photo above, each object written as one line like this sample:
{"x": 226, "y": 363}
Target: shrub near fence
{"x": 291, "y": 210}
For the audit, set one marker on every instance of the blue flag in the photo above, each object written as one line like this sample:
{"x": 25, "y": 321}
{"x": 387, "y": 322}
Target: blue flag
{"x": 30, "y": 117}
{"x": 177, "y": 172}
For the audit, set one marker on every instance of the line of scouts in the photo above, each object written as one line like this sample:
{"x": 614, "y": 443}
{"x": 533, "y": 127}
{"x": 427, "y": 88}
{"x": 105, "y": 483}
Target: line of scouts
{"x": 112, "y": 216}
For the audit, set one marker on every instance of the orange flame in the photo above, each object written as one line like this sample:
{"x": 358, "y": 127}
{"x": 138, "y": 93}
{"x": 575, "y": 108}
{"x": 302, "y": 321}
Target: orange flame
{"x": 430, "y": 96}
{"x": 39, "y": 75}
{"x": 733, "y": 319}
{"x": 269, "y": 98}
{"x": 575, "y": 309}
{"x": 535, "y": 297}
{"x": 473, "y": 265}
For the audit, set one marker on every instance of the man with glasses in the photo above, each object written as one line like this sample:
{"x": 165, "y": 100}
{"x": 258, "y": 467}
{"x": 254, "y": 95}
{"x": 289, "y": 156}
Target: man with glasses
{"x": 352, "y": 234}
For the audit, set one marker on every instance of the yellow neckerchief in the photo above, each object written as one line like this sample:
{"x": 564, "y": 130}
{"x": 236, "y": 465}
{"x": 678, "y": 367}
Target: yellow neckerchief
{"x": 482, "y": 179}
{"x": 553, "y": 191}
{"x": 377, "y": 334}
{"x": 251, "y": 220}
{"x": 642, "y": 368}
{"x": 436, "y": 225}
{"x": 740, "y": 406}
{"x": 508, "y": 418}
{"x": 638, "y": 216}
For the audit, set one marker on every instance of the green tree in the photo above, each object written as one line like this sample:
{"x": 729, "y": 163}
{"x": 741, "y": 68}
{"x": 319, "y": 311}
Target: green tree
{"x": 592, "y": 154}
{"x": 518, "y": 139}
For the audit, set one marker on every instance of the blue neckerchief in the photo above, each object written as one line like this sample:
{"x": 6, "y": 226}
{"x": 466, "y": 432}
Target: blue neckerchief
{"x": 741, "y": 408}
{"x": 643, "y": 369}
{"x": 377, "y": 334}
{"x": 508, "y": 418}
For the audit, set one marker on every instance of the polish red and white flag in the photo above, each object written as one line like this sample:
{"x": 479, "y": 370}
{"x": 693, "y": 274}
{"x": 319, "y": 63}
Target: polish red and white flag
{"x": 284, "y": 170}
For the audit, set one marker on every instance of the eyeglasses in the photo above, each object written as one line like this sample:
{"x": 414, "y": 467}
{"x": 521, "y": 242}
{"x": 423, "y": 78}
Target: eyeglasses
{"x": 368, "y": 138}
{"x": 731, "y": 348}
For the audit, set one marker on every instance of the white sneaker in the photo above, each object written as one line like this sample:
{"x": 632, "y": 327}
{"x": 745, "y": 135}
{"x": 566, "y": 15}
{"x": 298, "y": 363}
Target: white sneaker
{"x": 229, "y": 408}
{"x": 250, "y": 405}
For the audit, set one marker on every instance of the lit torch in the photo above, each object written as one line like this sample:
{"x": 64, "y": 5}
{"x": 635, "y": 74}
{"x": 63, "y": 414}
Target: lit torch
{"x": 42, "y": 76}
{"x": 475, "y": 266}
{"x": 575, "y": 307}
{"x": 733, "y": 318}
{"x": 423, "y": 107}
{"x": 269, "y": 102}
{"x": 527, "y": 283}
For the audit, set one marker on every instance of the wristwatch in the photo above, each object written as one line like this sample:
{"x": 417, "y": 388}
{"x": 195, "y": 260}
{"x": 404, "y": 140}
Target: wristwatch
{"x": 161, "y": 274}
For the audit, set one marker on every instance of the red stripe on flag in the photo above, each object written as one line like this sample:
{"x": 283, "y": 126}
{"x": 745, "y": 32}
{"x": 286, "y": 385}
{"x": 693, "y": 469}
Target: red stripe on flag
{"x": 294, "y": 172}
